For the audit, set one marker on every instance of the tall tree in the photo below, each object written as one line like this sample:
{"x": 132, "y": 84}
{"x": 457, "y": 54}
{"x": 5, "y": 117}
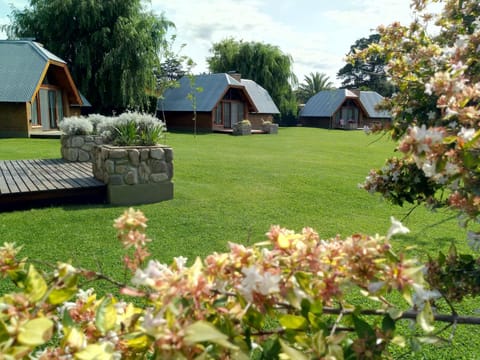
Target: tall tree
{"x": 366, "y": 74}
{"x": 264, "y": 63}
{"x": 312, "y": 84}
{"x": 110, "y": 46}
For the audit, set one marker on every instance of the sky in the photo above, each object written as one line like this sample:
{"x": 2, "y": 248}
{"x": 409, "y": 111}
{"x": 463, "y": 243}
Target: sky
{"x": 316, "y": 33}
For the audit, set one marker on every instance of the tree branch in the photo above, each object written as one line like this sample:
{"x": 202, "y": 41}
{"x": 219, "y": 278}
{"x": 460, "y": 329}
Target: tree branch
{"x": 467, "y": 320}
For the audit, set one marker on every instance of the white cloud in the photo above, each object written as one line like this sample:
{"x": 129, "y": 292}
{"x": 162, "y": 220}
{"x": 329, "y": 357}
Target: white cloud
{"x": 317, "y": 34}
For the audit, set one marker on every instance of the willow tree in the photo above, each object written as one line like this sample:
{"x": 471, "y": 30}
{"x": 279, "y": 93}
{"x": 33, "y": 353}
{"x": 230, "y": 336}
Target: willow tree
{"x": 312, "y": 84}
{"x": 264, "y": 63}
{"x": 111, "y": 47}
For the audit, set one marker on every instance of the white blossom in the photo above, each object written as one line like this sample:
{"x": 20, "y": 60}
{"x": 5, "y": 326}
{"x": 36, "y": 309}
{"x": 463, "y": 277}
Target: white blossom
{"x": 83, "y": 295}
{"x": 151, "y": 322}
{"x": 451, "y": 168}
{"x": 431, "y": 115}
{"x": 428, "y": 88}
{"x": 421, "y": 296}
{"x": 254, "y": 281}
{"x": 153, "y": 271}
{"x": 466, "y": 134}
{"x": 429, "y": 168}
{"x": 396, "y": 228}
{"x": 180, "y": 261}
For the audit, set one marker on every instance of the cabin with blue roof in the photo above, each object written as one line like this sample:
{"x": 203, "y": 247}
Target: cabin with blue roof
{"x": 36, "y": 89}
{"x": 220, "y": 101}
{"x": 343, "y": 109}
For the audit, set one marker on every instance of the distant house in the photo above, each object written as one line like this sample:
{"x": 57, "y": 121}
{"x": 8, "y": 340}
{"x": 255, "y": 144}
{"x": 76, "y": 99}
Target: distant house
{"x": 224, "y": 100}
{"x": 36, "y": 89}
{"x": 343, "y": 109}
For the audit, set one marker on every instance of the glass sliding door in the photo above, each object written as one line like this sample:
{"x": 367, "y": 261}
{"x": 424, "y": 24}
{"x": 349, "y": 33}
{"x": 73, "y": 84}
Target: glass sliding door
{"x": 50, "y": 111}
{"x": 44, "y": 109}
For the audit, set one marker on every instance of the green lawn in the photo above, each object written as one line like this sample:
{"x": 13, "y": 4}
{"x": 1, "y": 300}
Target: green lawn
{"x": 232, "y": 189}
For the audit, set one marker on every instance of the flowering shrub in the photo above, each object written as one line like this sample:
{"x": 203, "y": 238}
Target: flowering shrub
{"x": 132, "y": 128}
{"x": 436, "y": 121}
{"x": 284, "y": 296}
{"x": 436, "y": 109}
{"x": 96, "y": 120}
{"x": 76, "y": 125}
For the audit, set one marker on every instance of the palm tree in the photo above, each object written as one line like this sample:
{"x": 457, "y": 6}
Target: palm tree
{"x": 313, "y": 83}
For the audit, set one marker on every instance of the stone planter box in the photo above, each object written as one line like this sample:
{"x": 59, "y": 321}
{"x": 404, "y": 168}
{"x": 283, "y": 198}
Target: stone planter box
{"x": 242, "y": 130}
{"x": 135, "y": 174}
{"x": 79, "y": 147}
{"x": 270, "y": 128}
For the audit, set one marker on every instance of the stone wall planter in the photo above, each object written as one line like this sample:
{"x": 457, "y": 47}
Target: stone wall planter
{"x": 79, "y": 147}
{"x": 135, "y": 174}
{"x": 242, "y": 129}
{"x": 270, "y": 128}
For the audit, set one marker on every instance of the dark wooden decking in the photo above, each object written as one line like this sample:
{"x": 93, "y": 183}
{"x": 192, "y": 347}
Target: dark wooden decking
{"x": 35, "y": 183}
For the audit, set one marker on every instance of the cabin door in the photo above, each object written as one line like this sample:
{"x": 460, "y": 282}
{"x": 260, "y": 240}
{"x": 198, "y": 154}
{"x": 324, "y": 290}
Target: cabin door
{"x": 51, "y": 108}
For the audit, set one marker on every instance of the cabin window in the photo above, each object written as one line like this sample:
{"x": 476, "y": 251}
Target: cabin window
{"x": 218, "y": 115}
{"x": 47, "y": 108}
{"x": 36, "y": 119}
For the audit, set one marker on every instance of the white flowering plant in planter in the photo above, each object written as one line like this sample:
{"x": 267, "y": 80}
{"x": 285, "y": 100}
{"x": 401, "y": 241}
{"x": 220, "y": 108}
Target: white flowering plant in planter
{"x": 243, "y": 127}
{"x": 76, "y": 125}
{"x": 132, "y": 129}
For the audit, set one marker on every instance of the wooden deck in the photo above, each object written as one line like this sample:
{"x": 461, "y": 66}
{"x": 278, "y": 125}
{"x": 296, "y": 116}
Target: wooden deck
{"x": 35, "y": 183}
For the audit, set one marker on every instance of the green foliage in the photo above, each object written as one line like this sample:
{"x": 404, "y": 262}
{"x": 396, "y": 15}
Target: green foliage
{"x": 455, "y": 275}
{"x": 132, "y": 128}
{"x": 366, "y": 73}
{"x": 401, "y": 181}
{"x": 124, "y": 133}
{"x": 111, "y": 47}
{"x": 312, "y": 84}
{"x": 263, "y": 63}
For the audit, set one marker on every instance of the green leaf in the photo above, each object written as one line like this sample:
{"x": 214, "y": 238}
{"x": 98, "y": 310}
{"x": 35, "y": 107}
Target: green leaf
{"x": 271, "y": 349}
{"x": 399, "y": 341}
{"x": 35, "y": 285}
{"x": 425, "y": 318}
{"x": 58, "y": 296}
{"x": 95, "y": 352}
{"x": 319, "y": 343}
{"x": 202, "y": 331}
{"x": 388, "y": 324}
{"x": 432, "y": 340}
{"x": 4, "y": 334}
{"x": 66, "y": 292}
{"x": 35, "y": 332}
{"x": 304, "y": 280}
{"x": 254, "y": 318}
{"x": 292, "y": 353}
{"x": 395, "y": 313}
{"x": 74, "y": 338}
{"x": 294, "y": 322}
{"x": 106, "y": 316}
{"x": 362, "y": 328}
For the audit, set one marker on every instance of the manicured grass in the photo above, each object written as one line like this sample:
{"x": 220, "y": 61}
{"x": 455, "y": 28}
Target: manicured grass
{"x": 13, "y": 149}
{"x": 232, "y": 189}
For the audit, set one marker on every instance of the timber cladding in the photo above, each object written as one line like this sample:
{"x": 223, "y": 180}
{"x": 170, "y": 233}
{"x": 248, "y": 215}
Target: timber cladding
{"x": 13, "y": 119}
{"x": 184, "y": 120}
{"x": 257, "y": 120}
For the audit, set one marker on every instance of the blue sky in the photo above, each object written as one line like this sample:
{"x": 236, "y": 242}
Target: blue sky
{"x": 317, "y": 34}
